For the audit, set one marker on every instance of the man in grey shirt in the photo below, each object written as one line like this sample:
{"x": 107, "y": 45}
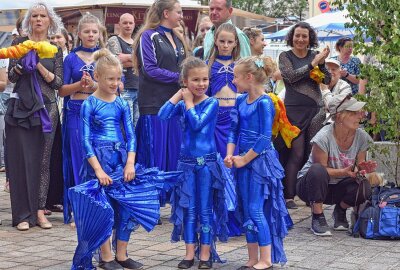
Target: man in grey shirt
{"x": 121, "y": 46}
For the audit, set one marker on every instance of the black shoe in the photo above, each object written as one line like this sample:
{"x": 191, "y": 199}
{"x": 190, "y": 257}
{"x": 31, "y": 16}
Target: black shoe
{"x": 291, "y": 205}
{"x": 268, "y": 268}
{"x": 130, "y": 264}
{"x": 186, "y": 264}
{"x": 205, "y": 264}
{"x": 112, "y": 265}
{"x": 339, "y": 218}
{"x": 319, "y": 226}
{"x": 244, "y": 267}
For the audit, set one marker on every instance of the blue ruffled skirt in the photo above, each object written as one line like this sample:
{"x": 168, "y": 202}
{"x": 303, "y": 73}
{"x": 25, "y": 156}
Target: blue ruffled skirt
{"x": 93, "y": 204}
{"x": 267, "y": 171}
{"x": 181, "y": 196}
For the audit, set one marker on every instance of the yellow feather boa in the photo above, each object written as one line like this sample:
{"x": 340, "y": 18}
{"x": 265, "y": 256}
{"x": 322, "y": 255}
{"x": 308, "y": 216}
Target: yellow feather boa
{"x": 43, "y": 48}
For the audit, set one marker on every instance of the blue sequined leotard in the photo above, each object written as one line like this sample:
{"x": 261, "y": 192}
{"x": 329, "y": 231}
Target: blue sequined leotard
{"x": 265, "y": 217}
{"x": 199, "y": 199}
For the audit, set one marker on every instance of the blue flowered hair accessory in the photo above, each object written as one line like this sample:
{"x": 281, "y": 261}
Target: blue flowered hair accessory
{"x": 259, "y": 63}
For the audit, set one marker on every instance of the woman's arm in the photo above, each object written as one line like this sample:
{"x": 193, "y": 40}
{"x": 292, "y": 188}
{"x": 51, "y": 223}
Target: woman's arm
{"x": 3, "y": 79}
{"x": 53, "y": 78}
{"x": 289, "y": 73}
{"x": 321, "y": 157}
{"x": 149, "y": 61}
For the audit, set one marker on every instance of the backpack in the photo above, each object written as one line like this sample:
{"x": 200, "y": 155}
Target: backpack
{"x": 380, "y": 219}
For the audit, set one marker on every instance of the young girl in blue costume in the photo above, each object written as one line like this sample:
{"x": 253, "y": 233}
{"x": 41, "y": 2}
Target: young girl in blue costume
{"x": 126, "y": 194}
{"x": 78, "y": 85}
{"x": 198, "y": 202}
{"x": 259, "y": 172}
{"x": 225, "y": 52}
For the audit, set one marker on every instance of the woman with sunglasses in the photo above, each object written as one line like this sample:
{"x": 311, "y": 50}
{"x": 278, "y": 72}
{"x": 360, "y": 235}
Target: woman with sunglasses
{"x": 338, "y": 153}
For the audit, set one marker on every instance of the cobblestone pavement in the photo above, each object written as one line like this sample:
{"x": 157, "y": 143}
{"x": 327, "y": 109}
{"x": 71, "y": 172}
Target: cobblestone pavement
{"x": 54, "y": 248}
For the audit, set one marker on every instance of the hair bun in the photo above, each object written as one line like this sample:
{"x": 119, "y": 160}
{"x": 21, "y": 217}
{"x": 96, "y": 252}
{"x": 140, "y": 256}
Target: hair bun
{"x": 101, "y": 53}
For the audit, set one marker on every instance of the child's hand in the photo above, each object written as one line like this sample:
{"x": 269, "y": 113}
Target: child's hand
{"x": 187, "y": 95}
{"x": 129, "y": 172}
{"x": 86, "y": 81}
{"x": 239, "y": 161}
{"x": 228, "y": 161}
{"x": 104, "y": 179}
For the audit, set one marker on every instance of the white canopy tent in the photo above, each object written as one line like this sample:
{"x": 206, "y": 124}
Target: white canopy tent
{"x": 330, "y": 26}
{"x": 25, "y": 4}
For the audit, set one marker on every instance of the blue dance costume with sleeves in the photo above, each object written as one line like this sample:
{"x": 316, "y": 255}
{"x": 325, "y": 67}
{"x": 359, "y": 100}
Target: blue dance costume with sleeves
{"x": 265, "y": 217}
{"x": 71, "y": 125}
{"x": 198, "y": 201}
{"x": 131, "y": 203}
{"x": 221, "y": 76}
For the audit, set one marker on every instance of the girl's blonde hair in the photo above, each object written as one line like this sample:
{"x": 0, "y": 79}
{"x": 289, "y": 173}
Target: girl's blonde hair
{"x": 261, "y": 67}
{"x": 104, "y": 60}
{"x": 154, "y": 15}
{"x": 230, "y": 28}
{"x": 190, "y": 63}
{"x": 90, "y": 18}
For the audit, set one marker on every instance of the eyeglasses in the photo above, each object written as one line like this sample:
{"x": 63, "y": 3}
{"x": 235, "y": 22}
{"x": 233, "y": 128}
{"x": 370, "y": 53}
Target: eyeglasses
{"x": 348, "y": 97}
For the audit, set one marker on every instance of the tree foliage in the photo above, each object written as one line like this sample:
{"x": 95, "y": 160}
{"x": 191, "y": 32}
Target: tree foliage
{"x": 273, "y": 8}
{"x": 379, "y": 23}
{"x": 281, "y": 8}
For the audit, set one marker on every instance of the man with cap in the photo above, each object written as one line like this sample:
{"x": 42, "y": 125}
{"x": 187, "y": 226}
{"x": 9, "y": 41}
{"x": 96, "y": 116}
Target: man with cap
{"x": 339, "y": 151}
{"x": 220, "y": 11}
{"x": 337, "y": 85}
{"x": 14, "y": 33}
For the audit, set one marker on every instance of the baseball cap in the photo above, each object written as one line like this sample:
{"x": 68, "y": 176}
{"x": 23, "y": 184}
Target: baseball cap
{"x": 343, "y": 102}
{"x": 332, "y": 61}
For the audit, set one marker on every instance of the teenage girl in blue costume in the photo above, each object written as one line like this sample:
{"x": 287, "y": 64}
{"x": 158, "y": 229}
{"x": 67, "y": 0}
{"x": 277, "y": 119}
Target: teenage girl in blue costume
{"x": 198, "y": 202}
{"x": 129, "y": 197}
{"x": 225, "y": 52}
{"x": 78, "y": 85}
{"x": 259, "y": 172}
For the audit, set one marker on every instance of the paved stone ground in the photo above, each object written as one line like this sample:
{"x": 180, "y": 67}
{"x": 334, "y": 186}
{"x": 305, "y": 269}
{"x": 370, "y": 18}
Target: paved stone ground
{"x": 53, "y": 249}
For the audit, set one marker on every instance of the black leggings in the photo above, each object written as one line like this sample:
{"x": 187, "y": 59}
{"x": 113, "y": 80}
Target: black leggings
{"x": 315, "y": 187}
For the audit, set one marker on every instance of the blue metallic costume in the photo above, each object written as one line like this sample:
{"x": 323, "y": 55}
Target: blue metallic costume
{"x": 198, "y": 201}
{"x": 265, "y": 217}
{"x": 131, "y": 203}
{"x": 221, "y": 76}
{"x": 71, "y": 127}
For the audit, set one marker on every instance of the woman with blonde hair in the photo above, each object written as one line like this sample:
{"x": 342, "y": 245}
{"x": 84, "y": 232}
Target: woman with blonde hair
{"x": 158, "y": 54}
{"x": 78, "y": 85}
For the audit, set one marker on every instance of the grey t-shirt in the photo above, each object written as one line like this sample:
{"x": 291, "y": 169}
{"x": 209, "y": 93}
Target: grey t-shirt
{"x": 337, "y": 158}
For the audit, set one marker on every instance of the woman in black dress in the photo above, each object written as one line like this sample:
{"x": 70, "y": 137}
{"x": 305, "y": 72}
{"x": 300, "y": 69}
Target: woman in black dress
{"x": 31, "y": 120}
{"x": 303, "y": 99}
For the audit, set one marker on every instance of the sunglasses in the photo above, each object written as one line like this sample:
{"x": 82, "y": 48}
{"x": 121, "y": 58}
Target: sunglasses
{"x": 348, "y": 97}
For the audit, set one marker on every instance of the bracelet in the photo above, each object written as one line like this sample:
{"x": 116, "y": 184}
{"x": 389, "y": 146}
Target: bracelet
{"x": 347, "y": 75}
{"x": 82, "y": 92}
{"x": 226, "y": 98}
